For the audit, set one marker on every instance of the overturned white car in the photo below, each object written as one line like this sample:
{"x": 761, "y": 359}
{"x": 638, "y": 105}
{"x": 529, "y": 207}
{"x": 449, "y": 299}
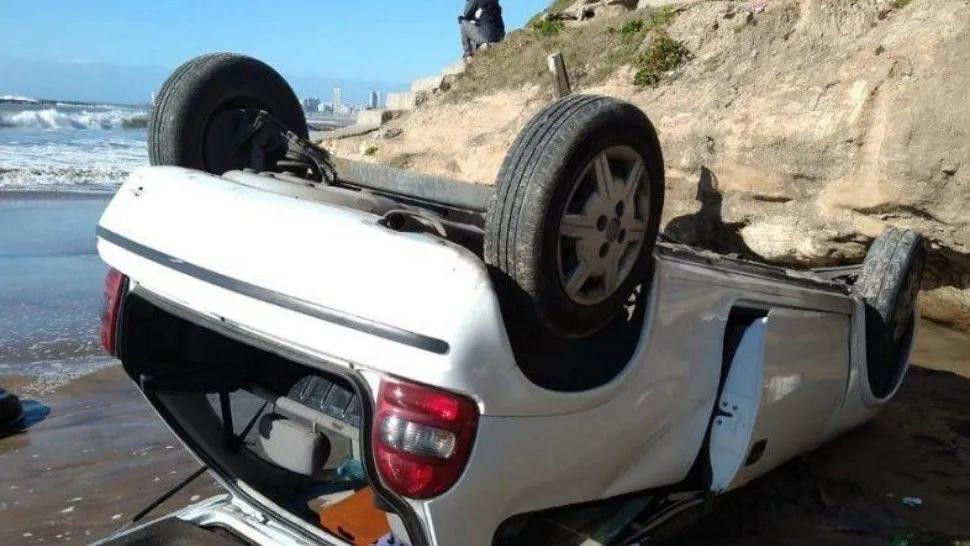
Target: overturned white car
{"x": 361, "y": 354}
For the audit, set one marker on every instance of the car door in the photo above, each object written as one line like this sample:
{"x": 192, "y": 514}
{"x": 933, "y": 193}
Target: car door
{"x": 786, "y": 378}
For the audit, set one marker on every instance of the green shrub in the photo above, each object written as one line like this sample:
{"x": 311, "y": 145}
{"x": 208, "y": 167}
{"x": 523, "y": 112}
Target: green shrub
{"x": 547, "y": 27}
{"x": 661, "y": 56}
{"x": 371, "y": 150}
{"x": 594, "y": 51}
{"x": 659, "y": 19}
{"x": 631, "y": 30}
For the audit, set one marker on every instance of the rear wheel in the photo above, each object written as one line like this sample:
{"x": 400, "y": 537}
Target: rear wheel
{"x": 889, "y": 284}
{"x": 204, "y": 113}
{"x": 576, "y": 215}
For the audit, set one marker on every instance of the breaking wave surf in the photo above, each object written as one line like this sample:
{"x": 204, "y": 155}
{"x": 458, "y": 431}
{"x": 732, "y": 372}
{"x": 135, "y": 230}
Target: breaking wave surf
{"x": 96, "y": 176}
{"x": 52, "y": 160}
{"x": 52, "y": 118}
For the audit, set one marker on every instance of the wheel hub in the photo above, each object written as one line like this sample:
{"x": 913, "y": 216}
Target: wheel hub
{"x": 613, "y": 230}
{"x": 602, "y": 228}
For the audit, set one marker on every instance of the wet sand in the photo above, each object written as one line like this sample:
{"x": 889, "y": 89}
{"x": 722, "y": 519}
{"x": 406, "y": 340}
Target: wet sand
{"x": 100, "y": 457}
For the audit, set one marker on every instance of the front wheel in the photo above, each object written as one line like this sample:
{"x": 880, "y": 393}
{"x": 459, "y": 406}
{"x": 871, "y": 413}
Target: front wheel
{"x": 576, "y": 214}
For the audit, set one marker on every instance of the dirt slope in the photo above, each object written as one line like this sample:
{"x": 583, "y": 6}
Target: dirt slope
{"x": 793, "y": 135}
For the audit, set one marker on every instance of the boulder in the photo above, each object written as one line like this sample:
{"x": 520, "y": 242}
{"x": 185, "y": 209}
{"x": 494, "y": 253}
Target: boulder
{"x": 583, "y": 10}
{"x": 820, "y": 123}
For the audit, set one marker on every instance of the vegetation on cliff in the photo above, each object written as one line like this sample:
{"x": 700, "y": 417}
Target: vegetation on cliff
{"x": 594, "y": 51}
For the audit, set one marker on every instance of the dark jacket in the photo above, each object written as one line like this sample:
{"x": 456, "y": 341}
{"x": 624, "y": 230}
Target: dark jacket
{"x": 490, "y": 20}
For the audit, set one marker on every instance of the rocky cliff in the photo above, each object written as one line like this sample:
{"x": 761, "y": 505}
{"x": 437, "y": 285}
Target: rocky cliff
{"x": 794, "y": 131}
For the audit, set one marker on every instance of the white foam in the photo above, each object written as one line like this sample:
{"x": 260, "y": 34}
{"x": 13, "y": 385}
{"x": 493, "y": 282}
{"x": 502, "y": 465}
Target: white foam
{"x": 52, "y": 118}
{"x": 58, "y": 164}
{"x": 18, "y": 98}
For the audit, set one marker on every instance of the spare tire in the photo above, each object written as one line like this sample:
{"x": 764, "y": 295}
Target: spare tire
{"x": 889, "y": 284}
{"x": 577, "y": 209}
{"x": 204, "y": 112}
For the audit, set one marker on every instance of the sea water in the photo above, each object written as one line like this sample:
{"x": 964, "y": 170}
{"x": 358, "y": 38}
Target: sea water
{"x": 59, "y": 165}
{"x": 70, "y": 147}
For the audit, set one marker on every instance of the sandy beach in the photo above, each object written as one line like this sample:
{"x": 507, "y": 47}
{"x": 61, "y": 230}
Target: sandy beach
{"x": 100, "y": 457}
{"x": 101, "y": 454}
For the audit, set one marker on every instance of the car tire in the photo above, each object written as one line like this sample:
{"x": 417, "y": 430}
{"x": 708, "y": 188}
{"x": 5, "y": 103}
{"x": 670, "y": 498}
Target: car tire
{"x": 889, "y": 284}
{"x": 577, "y": 209}
{"x": 204, "y": 108}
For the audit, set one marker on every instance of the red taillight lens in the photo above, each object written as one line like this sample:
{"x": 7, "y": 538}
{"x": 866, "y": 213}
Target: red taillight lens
{"x": 422, "y": 437}
{"x": 114, "y": 287}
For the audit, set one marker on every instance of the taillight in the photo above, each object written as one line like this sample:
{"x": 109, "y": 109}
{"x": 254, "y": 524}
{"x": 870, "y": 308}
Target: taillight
{"x": 114, "y": 287}
{"x": 422, "y": 437}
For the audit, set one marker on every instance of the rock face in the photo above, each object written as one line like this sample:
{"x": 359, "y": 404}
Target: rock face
{"x": 821, "y": 122}
{"x": 793, "y": 135}
{"x": 587, "y": 9}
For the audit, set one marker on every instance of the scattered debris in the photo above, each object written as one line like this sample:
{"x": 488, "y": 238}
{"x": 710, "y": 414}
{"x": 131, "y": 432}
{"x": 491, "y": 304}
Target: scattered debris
{"x": 912, "y": 502}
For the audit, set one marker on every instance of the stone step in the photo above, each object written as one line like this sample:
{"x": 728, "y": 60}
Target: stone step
{"x": 373, "y": 117}
{"x": 430, "y": 83}
{"x": 404, "y": 100}
{"x": 421, "y": 88}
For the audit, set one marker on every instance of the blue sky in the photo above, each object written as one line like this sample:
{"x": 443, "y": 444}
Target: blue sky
{"x": 121, "y": 50}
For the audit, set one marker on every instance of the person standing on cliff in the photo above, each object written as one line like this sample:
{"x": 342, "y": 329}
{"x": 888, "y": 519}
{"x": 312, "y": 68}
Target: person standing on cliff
{"x": 481, "y": 23}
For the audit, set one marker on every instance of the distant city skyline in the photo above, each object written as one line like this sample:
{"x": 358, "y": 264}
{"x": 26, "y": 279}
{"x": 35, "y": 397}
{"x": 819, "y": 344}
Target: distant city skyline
{"x": 110, "y": 51}
{"x": 136, "y": 84}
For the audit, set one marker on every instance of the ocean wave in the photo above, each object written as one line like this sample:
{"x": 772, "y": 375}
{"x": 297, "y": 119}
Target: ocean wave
{"x": 55, "y": 119}
{"x": 18, "y": 98}
{"x": 94, "y": 176}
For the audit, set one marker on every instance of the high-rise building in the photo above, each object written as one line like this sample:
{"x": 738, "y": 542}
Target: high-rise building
{"x": 337, "y": 98}
{"x": 311, "y": 104}
{"x": 375, "y": 100}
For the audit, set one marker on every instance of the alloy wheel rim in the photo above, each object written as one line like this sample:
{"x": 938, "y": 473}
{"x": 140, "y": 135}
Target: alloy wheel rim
{"x": 603, "y": 225}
